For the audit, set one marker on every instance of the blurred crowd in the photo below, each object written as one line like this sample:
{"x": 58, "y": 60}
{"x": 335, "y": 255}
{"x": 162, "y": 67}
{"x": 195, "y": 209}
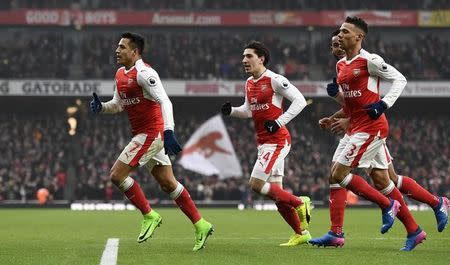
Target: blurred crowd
{"x": 33, "y": 155}
{"x": 36, "y": 153}
{"x": 411, "y": 58}
{"x": 211, "y": 55}
{"x": 228, "y": 4}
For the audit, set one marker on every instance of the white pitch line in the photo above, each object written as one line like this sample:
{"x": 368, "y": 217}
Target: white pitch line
{"x": 109, "y": 256}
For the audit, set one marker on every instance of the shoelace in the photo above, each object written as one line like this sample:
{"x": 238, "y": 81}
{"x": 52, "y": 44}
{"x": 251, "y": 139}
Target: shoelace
{"x": 409, "y": 243}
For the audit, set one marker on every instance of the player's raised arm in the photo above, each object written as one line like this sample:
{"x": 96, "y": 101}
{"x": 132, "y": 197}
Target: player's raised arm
{"x": 109, "y": 107}
{"x": 378, "y": 67}
{"x": 286, "y": 89}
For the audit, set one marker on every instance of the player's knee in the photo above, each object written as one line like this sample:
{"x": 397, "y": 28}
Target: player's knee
{"x": 380, "y": 183}
{"x": 115, "y": 177}
{"x": 394, "y": 178}
{"x": 331, "y": 180}
{"x": 336, "y": 177}
{"x": 168, "y": 186}
{"x": 255, "y": 187}
{"x": 379, "y": 186}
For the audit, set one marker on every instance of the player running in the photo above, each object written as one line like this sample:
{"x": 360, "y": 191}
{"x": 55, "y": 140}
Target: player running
{"x": 140, "y": 93}
{"x": 339, "y": 123}
{"x": 358, "y": 75}
{"x": 264, "y": 94}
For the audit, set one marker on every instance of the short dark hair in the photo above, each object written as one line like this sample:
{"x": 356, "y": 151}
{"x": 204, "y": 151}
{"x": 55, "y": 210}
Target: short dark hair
{"x": 136, "y": 40}
{"x": 260, "y": 50}
{"x": 335, "y": 33}
{"x": 359, "y": 22}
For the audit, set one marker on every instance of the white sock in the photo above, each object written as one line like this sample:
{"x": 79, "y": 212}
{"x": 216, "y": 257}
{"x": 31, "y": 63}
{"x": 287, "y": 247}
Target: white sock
{"x": 346, "y": 180}
{"x": 388, "y": 189}
{"x": 177, "y": 191}
{"x": 126, "y": 184}
{"x": 265, "y": 188}
{"x": 399, "y": 181}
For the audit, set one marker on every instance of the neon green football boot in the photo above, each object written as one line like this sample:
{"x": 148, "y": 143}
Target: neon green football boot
{"x": 297, "y": 239}
{"x": 203, "y": 230}
{"x": 151, "y": 221}
{"x": 304, "y": 212}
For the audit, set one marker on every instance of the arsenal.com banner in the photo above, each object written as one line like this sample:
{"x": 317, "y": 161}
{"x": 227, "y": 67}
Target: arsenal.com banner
{"x": 66, "y": 17}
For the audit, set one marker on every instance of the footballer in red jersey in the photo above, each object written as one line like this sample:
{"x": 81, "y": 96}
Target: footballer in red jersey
{"x": 358, "y": 75}
{"x": 339, "y": 123}
{"x": 264, "y": 94}
{"x": 139, "y": 92}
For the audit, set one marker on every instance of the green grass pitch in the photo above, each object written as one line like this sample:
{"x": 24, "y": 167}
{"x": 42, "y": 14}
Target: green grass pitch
{"x": 242, "y": 237}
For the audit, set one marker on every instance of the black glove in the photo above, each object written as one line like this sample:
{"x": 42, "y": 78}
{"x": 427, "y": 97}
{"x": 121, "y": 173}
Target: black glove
{"x": 226, "y": 109}
{"x": 271, "y": 126}
{"x": 171, "y": 145}
{"x": 333, "y": 88}
{"x": 96, "y": 104}
{"x": 375, "y": 110}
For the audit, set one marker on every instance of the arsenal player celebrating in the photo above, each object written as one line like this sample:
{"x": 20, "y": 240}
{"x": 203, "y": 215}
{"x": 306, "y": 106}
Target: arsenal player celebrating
{"x": 264, "y": 93}
{"x": 338, "y": 195}
{"x": 358, "y": 74}
{"x": 140, "y": 93}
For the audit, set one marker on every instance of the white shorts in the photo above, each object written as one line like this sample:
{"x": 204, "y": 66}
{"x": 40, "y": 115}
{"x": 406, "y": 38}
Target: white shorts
{"x": 365, "y": 151}
{"x": 142, "y": 150}
{"x": 269, "y": 165}
{"x": 340, "y": 147}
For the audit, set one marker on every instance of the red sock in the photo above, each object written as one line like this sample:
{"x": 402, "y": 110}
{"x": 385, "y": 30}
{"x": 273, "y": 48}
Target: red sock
{"x": 187, "y": 205}
{"x": 360, "y": 187}
{"x": 404, "y": 214}
{"x": 290, "y": 216}
{"x": 279, "y": 195}
{"x": 338, "y": 201}
{"x": 137, "y": 197}
{"x": 412, "y": 189}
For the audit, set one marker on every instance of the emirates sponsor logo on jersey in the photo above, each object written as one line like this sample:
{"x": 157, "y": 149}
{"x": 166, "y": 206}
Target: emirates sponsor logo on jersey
{"x": 350, "y": 93}
{"x": 254, "y": 106}
{"x": 128, "y": 101}
{"x": 257, "y": 107}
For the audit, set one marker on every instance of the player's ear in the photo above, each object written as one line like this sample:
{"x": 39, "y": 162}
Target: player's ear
{"x": 360, "y": 36}
{"x": 262, "y": 59}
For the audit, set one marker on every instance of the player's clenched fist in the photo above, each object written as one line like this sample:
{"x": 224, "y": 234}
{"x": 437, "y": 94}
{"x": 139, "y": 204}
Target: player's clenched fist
{"x": 333, "y": 88}
{"x": 325, "y": 123}
{"x": 96, "y": 104}
{"x": 375, "y": 110}
{"x": 340, "y": 125}
{"x": 271, "y": 126}
{"x": 226, "y": 109}
{"x": 171, "y": 145}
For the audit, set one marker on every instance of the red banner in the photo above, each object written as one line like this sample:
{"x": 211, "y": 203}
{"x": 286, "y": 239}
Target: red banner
{"x": 181, "y": 18}
{"x": 387, "y": 18}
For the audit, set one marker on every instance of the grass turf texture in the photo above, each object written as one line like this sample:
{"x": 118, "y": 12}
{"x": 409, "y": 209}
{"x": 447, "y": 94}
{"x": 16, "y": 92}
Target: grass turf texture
{"x": 242, "y": 237}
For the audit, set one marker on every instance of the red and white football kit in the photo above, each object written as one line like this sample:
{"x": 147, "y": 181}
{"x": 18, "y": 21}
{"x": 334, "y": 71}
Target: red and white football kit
{"x": 140, "y": 93}
{"x": 263, "y": 101}
{"x": 359, "y": 79}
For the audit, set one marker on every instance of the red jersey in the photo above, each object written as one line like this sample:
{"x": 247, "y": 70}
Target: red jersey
{"x": 264, "y": 101}
{"x": 360, "y": 85}
{"x": 143, "y": 112}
